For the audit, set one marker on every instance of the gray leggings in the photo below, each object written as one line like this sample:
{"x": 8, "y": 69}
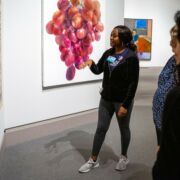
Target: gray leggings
{"x": 106, "y": 111}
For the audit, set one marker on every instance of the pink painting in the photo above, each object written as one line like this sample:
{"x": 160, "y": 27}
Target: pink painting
{"x": 75, "y": 25}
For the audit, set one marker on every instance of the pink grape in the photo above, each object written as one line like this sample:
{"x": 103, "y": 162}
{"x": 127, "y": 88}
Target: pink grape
{"x": 60, "y": 19}
{"x": 77, "y": 21}
{"x": 81, "y": 33}
{"x": 72, "y": 36}
{"x": 87, "y": 15}
{"x": 78, "y": 61}
{"x": 96, "y": 4}
{"x": 70, "y": 73}
{"x": 72, "y": 11}
{"x": 75, "y": 2}
{"x": 58, "y": 39}
{"x": 99, "y": 27}
{"x": 89, "y": 25}
{"x": 63, "y": 5}
{"x": 50, "y": 27}
{"x": 77, "y": 49}
{"x": 88, "y": 4}
{"x": 56, "y": 15}
{"x": 69, "y": 59}
{"x": 88, "y": 49}
{"x": 65, "y": 41}
{"x": 87, "y": 40}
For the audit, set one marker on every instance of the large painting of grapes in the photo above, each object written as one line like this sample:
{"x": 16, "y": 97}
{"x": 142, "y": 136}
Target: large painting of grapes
{"x": 72, "y": 32}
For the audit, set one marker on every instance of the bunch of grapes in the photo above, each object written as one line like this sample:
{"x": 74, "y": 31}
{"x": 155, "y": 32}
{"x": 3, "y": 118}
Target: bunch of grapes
{"x": 76, "y": 24}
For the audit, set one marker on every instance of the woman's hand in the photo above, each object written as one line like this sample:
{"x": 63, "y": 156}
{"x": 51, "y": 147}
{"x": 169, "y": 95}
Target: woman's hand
{"x": 122, "y": 111}
{"x": 86, "y": 63}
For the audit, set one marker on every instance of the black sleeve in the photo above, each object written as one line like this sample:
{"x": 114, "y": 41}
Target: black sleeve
{"x": 99, "y": 67}
{"x": 171, "y": 117}
{"x": 175, "y": 119}
{"x": 176, "y": 125}
{"x": 133, "y": 73}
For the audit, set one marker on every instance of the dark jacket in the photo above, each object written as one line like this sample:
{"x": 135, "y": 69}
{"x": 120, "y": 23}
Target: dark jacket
{"x": 167, "y": 165}
{"x": 119, "y": 85}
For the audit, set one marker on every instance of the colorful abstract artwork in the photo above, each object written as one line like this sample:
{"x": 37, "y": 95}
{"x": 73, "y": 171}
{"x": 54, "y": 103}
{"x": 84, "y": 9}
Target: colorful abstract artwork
{"x": 73, "y": 32}
{"x": 142, "y": 36}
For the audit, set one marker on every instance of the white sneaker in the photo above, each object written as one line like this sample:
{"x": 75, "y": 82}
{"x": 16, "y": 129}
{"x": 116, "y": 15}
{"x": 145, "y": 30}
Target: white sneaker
{"x": 88, "y": 166}
{"x": 123, "y": 162}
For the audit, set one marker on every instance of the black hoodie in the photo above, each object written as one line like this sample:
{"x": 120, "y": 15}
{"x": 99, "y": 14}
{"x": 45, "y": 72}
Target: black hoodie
{"x": 167, "y": 165}
{"x": 120, "y": 84}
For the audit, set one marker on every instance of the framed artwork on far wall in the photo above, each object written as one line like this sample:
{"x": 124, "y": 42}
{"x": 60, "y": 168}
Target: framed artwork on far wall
{"x": 142, "y": 36}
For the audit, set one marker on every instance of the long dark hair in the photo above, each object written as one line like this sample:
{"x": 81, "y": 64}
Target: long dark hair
{"x": 125, "y": 35}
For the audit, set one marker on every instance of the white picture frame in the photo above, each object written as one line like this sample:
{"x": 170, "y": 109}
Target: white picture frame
{"x": 53, "y": 68}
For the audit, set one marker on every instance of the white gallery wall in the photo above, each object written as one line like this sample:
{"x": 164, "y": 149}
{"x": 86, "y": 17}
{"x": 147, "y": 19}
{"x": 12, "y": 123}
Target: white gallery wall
{"x": 162, "y": 13}
{"x": 23, "y": 98}
{"x": 24, "y": 101}
{"x": 1, "y": 83}
{"x": 1, "y": 126}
